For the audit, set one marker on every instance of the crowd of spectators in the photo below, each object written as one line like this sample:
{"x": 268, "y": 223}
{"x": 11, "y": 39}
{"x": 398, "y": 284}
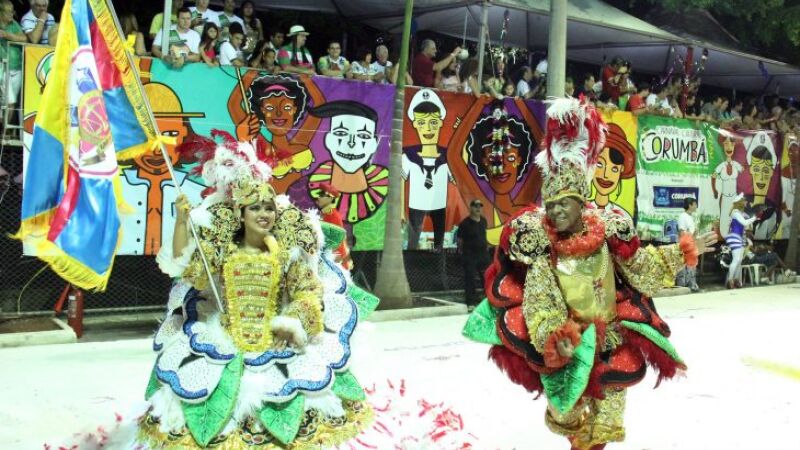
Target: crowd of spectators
{"x": 236, "y": 36}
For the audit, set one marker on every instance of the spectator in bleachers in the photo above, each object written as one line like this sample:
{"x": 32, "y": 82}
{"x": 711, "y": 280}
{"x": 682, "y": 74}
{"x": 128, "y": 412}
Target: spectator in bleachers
{"x": 10, "y": 31}
{"x": 614, "y": 80}
{"x": 495, "y": 82}
{"x": 276, "y": 39}
{"x": 37, "y": 22}
{"x": 184, "y": 43}
{"x": 469, "y": 78}
{"x": 334, "y": 64}
{"x": 230, "y": 52}
{"x": 208, "y": 44}
{"x": 587, "y": 88}
{"x": 202, "y": 14}
{"x": 657, "y": 102}
{"x": 130, "y": 27}
{"x": 736, "y": 110}
{"x": 569, "y": 87}
{"x": 713, "y": 110}
{"x": 253, "y": 30}
{"x": 295, "y": 57}
{"x": 508, "y": 89}
{"x": 523, "y": 85}
{"x": 423, "y": 67}
{"x": 382, "y": 63}
{"x": 268, "y": 63}
{"x": 360, "y": 69}
{"x": 637, "y": 104}
{"x": 158, "y": 19}
{"x": 447, "y": 79}
{"x": 226, "y": 18}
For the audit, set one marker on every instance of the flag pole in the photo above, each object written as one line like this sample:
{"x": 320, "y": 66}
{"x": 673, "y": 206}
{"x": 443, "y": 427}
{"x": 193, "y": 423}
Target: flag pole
{"x": 170, "y": 168}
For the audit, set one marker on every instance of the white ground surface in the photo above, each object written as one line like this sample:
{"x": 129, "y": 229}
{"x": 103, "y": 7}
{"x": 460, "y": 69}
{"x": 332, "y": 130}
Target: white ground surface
{"x": 726, "y": 401}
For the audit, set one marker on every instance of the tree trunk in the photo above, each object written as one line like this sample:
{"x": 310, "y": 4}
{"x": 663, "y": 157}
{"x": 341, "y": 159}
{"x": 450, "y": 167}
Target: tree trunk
{"x": 392, "y": 283}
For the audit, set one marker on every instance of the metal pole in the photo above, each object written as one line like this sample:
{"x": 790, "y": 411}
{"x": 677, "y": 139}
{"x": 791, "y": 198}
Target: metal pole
{"x": 166, "y": 24}
{"x": 170, "y": 168}
{"x": 557, "y": 49}
{"x": 482, "y": 40}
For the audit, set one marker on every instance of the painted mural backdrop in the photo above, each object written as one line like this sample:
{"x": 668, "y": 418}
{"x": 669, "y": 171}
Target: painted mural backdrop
{"x": 458, "y": 148}
{"x": 331, "y": 131}
{"x": 614, "y": 181}
{"x": 753, "y": 158}
{"x": 675, "y": 160}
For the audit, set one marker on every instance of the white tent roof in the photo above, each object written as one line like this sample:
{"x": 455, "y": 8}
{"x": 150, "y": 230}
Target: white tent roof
{"x": 596, "y": 32}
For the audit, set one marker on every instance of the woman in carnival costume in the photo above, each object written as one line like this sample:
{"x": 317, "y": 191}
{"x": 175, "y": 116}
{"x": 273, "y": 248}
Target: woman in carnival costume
{"x": 569, "y": 309}
{"x": 270, "y": 370}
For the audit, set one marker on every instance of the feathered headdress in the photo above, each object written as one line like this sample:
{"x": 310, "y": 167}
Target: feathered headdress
{"x": 233, "y": 170}
{"x": 575, "y": 136}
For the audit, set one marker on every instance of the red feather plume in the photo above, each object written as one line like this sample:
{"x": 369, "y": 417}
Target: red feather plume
{"x": 515, "y": 367}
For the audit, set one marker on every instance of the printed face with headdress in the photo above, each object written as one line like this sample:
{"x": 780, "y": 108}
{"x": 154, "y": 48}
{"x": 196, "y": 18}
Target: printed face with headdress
{"x": 762, "y": 161}
{"x": 279, "y": 102}
{"x": 504, "y": 145}
{"x": 615, "y": 162}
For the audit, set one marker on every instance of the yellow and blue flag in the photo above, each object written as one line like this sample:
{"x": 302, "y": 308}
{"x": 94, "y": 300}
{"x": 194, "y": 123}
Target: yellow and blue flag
{"x": 93, "y": 112}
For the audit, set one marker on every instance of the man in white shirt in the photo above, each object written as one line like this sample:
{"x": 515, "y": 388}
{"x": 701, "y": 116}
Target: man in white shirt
{"x": 523, "y": 86}
{"x": 201, "y": 14}
{"x": 380, "y": 64}
{"x": 226, "y": 17}
{"x": 183, "y": 42}
{"x": 686, "y": 227}
{"x": 658, "y": 100}
{"x": 230, "y": 52}
{"x": 37, "y": 22}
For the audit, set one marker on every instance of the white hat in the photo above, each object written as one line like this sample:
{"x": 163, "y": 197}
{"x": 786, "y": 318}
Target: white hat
{"x": 760, "y": 139}
{"x": 297, "y": 29}
{"x": 542, "y": 66}
{"x": 425, "y": 95}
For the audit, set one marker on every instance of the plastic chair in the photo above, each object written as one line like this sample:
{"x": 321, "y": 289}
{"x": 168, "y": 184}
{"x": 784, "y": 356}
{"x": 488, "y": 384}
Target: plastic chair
{"x": 752, "y": 273}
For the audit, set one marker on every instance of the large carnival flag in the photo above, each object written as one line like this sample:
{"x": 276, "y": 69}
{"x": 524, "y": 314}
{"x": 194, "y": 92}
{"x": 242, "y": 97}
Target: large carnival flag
{"x": 93, "y": 112}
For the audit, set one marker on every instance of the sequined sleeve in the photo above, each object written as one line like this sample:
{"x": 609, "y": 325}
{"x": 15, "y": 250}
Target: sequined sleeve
{"x": 304, "y": 293}
{"x": 651, "y": 268}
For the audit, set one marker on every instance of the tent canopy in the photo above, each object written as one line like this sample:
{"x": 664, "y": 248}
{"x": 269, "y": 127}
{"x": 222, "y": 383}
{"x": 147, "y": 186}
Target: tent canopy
{"x": 596, "y": 32}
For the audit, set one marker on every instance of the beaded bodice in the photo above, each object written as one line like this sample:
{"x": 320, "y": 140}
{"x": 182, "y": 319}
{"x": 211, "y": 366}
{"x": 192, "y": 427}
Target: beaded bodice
{"x": 587, "y": 284}
{"x": 252, "y": 285}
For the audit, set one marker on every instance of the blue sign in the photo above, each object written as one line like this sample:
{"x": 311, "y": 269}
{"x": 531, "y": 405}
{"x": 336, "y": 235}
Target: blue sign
{"x": 673, "y": 196}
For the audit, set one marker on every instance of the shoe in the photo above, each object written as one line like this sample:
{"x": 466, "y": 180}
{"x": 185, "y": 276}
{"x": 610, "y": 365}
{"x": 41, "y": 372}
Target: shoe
{"x": 738, "y": 284}
{"x": 470, "y": 308}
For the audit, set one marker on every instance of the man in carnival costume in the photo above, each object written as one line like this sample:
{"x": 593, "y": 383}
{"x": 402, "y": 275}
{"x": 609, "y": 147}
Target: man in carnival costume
{"x": 569, "y": 309}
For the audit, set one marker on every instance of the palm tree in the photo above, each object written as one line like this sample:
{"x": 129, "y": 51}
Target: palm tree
{"x": 392, "y": 283}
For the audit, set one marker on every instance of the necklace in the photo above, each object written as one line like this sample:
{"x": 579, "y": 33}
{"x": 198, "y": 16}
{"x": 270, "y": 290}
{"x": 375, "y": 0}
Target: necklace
{"x": 580, "y": 244}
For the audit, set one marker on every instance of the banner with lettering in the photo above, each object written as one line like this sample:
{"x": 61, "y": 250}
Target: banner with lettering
{"x": 336, "y": 132}
{"x": 675, "y": 160}
{"x": 458, "y": 148}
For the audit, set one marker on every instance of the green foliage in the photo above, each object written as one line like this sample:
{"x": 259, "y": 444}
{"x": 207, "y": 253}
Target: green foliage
{"x": 283, "y": 419}
{"x": 347, "y": 387}
{"x": 207, "y": 419}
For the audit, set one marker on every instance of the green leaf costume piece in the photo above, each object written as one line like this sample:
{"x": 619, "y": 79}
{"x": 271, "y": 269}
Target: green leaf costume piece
{"x": 365, "y": 301}
{"x": 565, "y": 387}
{"x": 481, "y": 325}
{"x": 206, "y": 420}
{"x": 347, "y": 387}
{"x": 654, "y": 336}
{"x": 333, "y": 235}
{"x": 283, "y": 419}
{"x": 153, "y": 385}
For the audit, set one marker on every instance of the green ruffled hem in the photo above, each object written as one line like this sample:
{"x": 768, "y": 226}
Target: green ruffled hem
{"x": 481, "y": 325}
